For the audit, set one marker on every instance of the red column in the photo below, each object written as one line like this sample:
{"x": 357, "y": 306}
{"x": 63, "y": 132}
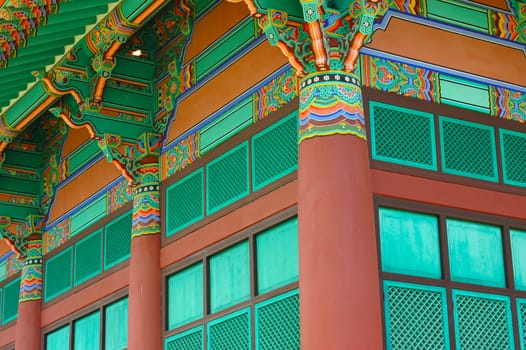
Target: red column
{"x": 28, "y": 325}
{"x": 339, "y": 277}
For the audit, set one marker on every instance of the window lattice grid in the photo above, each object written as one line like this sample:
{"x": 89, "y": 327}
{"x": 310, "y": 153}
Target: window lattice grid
{"x": 482, "y": 321}
{"x": 231, "y": 332}
{"x": 117, "y": 240}
{"x": 189, "y": 340}
{"x": 513, "y": 145}
{"x": 278, "y": 323}
{"x": 10, "y": 304}
{"x": 58, "y": 274}
{"x": 521, "y": 308}
{"x": 468, "y": 149}
{"x": 416, "y": 317}
{"x": 88, "y": 257}
{"x": 403, "y": 136}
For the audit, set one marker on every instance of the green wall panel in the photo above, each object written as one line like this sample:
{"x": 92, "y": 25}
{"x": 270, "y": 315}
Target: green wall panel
{"x": 185, "y": 296}
{"x": 88, "y": 257}
{"x": 83, "y": 155}
{"x": 458, "y": 13}
{"x": 409, "y": 243}
{"x": 192, "y": 339}
{"x": 88, "y": 215}
{"x": 58, "y": 274}
{"x": 475, "y": 253}
{"x": 10, "y": 302}
{"x": 116, "y": 325}
{"x": 117, "y": 240}
{"x": 230, "y": 332}
{"x": 518, "y": 252}
{"x": 277, "y": 256}
{"x": 521, "y": 311}
{"x": 229, "y": 277}
{"x": 512, "y": 146}
{"x": 464, "y": 93}
{"x": 59, "y": 339}
{"x": 87, "y": 332}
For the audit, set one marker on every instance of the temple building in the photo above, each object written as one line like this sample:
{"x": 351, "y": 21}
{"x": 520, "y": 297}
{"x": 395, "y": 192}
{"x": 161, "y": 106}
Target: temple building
{"x": 262, "y": 174}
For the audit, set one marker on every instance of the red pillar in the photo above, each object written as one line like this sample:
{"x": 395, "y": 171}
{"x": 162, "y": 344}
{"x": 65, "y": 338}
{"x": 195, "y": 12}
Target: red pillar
{"x": 144, "y": 299}
{"x": 339, "y": 278}
{"x": 28, "y": 325}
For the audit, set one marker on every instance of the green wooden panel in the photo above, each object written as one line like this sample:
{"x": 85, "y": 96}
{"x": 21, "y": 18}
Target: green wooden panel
{"x": 191, "y": 339}
{"x": 269, "y": 165}
{"x": 88, "y": 257}
{"x": 226, "y": 126}
{"x": 83, "y": 155}
{"x": 464, "y": 93}
{"x": 230, "y": 332}
{"x": 88, "y": 215}
{"x": 521, "y": 311}
{"x": 229, "y": 277}
{"x": 277, "y": 256}
{"x": 203, "y": 5}
{"x": 117, "y": 240}
{"x": 10, "y": 304}
{"x": 58, "y": 274}
{"x": 185, "y": 296}
{"x": 518, "y": 253}
{"x": 87, "y": 332}
{"x": 482, "y": 321}
{"x": 409, "y": 243}
{"x": 512, "y": 146}
{"x": 475, "y": 253}
{"x": 25, "y": 105}
{"x": 116, "y": 325}
{"x": 59, "y": 339}
{"x": 3, "y": 270}
{"x": 458, "y": 13}
{"x": 185, "y": 202}
{"x": 416, "y": 316}
{"x": 226, "y": 47}
{"x": 403, "y": 136}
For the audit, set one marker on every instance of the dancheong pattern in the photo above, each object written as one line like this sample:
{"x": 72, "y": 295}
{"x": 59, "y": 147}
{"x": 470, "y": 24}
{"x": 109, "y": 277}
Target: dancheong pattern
{"x": 31, "y": 283}
{"x": 146, "y": 203}
{"x": 272, "y": 96}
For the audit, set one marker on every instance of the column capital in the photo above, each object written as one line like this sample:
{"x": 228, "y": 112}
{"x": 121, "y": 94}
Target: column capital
{"x": 18, "y": 236}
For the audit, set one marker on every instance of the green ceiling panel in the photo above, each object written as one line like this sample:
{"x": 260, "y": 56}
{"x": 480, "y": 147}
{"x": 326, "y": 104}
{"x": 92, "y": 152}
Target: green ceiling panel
{"x": 292, "y": 7}
{"x": 25, "y": 105}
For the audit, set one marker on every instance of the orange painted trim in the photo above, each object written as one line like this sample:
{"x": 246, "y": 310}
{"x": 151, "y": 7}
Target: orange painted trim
{"x": 300, "y": 70}
{"x": 354, "y": 51}
{"x": 119, "y": 110}
{"x": 68, "y": 121}
{"x": 131, "y": 82}
{"x": 320, "y": 53}
{"x": 48, "y": 84}
{"x": 99, "y": 90}
{"x": 123, "y": 170}
{"x": 148, "y": 11}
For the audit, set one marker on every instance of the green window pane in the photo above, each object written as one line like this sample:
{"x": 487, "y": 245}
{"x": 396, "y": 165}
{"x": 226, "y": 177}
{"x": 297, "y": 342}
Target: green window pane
{"x": 185, "y": 296}
{"x": 277, "y": 256}
{"x": 475, "y": 253}
{"x": 518, "y": 252}
{"x": 58, "y": 340}
{"x": 10, "y": 305}
{"x": 116, "y": 325}
{"x": 88, "y": 257}
{"x": 87, "y": 332}
{"x": 409, "y": 243}
{"x": 229, "y": 277}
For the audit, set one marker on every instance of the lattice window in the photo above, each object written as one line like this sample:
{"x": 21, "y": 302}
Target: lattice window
{"x": 185, "y": 202}
{"x": 227, "y": 178}
{"x": 278, "y": 323}
{"x": 231, "y": 332}
{"x": 88, "y": 257}
{"x": 117, "y": 240}
{"x": 189, "y": 340}
{"x": 275, "y": 152}
{"x": 513, "y": 145}
{"x": 482, "y": 321}
{"x": 468, "y": 149}
{"x": 57, "y": 274}
{"x": 403, "y": 136}
{"x": 416, "y": 316}
{"x": 10, "y": 304}
{"x": 521, "y": 308}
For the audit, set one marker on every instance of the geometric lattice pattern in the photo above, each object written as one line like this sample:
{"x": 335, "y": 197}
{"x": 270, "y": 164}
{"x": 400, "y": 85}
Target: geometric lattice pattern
{"x": 57, "y": 274}
{"x": 88, "y": 257}
{"x": 513, "y": 146}
{"x": 415, "y": 317}
{"x": 468, "y": 149}
{"x": 10, "y": 304}
{"x": 117, "y": 240}
{"x": 278, "y": 323}
{"x": 521, "y": 306}
{"x": 275, "y": 152}
{"x": 403, "y": 136}
{"x": 189, "y": 340}
{"x": 185, "y": 202}
{"x": 227, "y": 178}
{"x": 482, "y": 321}
{"x": 231, "y": 332}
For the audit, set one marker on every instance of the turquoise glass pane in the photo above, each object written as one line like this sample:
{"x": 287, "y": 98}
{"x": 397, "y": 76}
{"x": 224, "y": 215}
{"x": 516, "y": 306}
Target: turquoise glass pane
{"x": 277, "y": 256}
{"x": 116, "y": 326}
{"x": 409, "y": 243}
{"x": 229, "y": 277}
{"x": 475, "y": 253}
{"x": 87, "y": 332}
{"x": 58, "y": 340}
{"x": 185, "y": 296}
{"x": 518, "y": 253}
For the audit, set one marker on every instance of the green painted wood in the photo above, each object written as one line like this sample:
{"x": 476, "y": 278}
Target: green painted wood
{"x": 201, "y": 6}
{"x": 58, "y": 274}
{"x": 10, "y": 295}
{"x": 133, "y": 8}
{"x": 229, "y": 277}
{"x": 226, "y": 126}
{"x": 58, "y": 339}
{"x": 18, "y": 211}
{"x": 458, "y": 13}
{"x": 277, "y": 256}
{"x": 117, "y": 240}
{"x": 230, "y": 44}
{"x": 409, "y": 243}
{"x": 292, "y": 7}
{"x": 82, "y": 155}
{"x": 132, "y": 68}
{"x": 185, "y": 296}
{"x": 464, "y": 94}
{"x": 518, "y": 253}
{"x": 3, "y": 272}
{"x": 191, "y": 339}
{"x": 20, "y": 185}
{"x": 88, "y": 258}
{"x": 230, "y": 332}
{"x": 116, "y": 325}
{"x": 512, "y": 146}
{"x": 475, "y": 253}
{"x": 88, "y": 215}
{"x": 25, "y": 105}
{"x": 87, "y": 332}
